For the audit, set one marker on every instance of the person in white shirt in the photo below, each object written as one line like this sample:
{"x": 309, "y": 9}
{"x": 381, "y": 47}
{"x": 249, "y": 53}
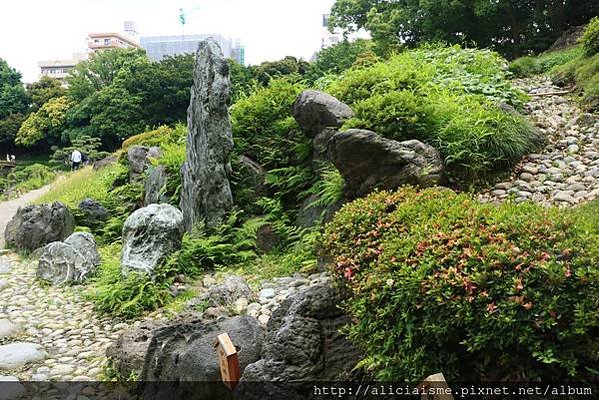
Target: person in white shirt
{"x": 75, "y": 160}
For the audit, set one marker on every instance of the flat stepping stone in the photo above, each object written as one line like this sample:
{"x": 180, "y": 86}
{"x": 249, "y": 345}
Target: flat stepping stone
{"x": 15, "y": 355}
{"x": 8, "y": 329}
{"x": 3, "y": 283}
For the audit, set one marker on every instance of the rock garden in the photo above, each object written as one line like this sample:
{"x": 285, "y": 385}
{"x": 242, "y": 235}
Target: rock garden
{"x": 430, "y": 211}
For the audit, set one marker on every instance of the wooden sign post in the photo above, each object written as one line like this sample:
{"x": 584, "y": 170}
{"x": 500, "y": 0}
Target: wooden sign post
{"x": 436, "y": 388}
{"x": 228, "y": 360}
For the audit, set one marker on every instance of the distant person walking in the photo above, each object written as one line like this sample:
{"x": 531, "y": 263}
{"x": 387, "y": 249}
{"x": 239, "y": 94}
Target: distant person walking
{"x": 76, "y": 158}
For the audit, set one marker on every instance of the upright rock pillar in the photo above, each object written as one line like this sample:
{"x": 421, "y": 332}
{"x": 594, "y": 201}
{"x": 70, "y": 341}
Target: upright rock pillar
{"x": 206, "y": 192}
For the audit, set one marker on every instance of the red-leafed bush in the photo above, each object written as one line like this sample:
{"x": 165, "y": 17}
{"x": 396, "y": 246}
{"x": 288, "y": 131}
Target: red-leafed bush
{"x": 440, "y": 283}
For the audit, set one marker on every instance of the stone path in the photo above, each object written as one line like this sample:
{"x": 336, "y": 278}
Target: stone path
{"x": 9, "y": 208}
{"x": 566, "y": 171}
{"x": 49, "y": 333}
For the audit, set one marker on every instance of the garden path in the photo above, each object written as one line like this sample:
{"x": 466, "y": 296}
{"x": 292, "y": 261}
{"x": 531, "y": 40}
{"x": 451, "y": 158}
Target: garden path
{"x": 49, "y": 333}
{"x": 566, "y": 171}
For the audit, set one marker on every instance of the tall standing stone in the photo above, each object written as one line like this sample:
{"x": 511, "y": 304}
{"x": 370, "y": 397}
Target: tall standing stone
{"x": 206, "y": 193}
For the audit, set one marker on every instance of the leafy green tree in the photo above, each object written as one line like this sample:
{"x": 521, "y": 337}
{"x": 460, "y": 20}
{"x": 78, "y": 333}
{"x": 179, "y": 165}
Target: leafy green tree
{"x": 43, "y": 90}
{"x": 511, "y": 27}
{"x": 99, "y": 71}
{"x": 242, "y": 79}
{"x": 338, "y": 57}
{"x": 45, "y": 124}
{"x": 9, "y": 126}
{"x": 287, "y": 66}
{"x": 13, "y": 98}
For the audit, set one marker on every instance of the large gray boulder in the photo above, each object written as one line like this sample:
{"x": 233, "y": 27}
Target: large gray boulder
{"x": 314, "y": 111}
{"x": 303, "y": 344}
{"x": 85, "y": 244}
{"x": 71, "y": 261}
{"x": 368, "y": 161}
{"x": 150, "y": 235}
{"x": 139, "y": 158}
{"x": 155, "y": 185}
{"x": 34, "y": 226}
{"x": 185, "y": 353}
{"x": 206, "y": 192}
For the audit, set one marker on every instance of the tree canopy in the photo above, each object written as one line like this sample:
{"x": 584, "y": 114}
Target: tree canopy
{"x": 510, "y": 27}
{"x": 14, "y": 102}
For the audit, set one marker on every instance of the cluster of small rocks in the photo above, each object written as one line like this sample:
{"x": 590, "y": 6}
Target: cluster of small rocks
{"x": 242, "y": 300}
{"x": 49, "y": 333}
{"x": 566, "y": 172}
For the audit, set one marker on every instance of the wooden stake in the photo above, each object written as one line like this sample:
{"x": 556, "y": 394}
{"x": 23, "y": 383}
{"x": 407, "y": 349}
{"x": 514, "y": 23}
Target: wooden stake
{"x": 437, "y": 384}
{"x": 228, "y": 360}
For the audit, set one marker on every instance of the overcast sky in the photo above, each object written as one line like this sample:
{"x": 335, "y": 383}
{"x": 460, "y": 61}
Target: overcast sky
{"x": 35, "y": 30}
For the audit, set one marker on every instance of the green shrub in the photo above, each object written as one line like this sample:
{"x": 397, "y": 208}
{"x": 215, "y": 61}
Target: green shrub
{"x": 439, "y": 282}
{"x": 263, "y": 127}
{"x": 398, "y": 115}
{"x": 524, "y": 66}
{"x": 590, "y": 38}
{"x": 157, "y": 137}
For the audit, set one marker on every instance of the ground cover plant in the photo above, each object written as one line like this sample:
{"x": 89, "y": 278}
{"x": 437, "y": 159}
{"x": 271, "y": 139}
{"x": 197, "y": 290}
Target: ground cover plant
{"x": 438, "y": 281}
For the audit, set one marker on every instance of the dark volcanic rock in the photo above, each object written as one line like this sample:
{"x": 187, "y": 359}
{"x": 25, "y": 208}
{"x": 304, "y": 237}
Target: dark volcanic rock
{"x": 127, "y": 354}
{"x": 105, "y": 162}
{"x": 303, "y": 343}
{"x": 93, "y": 213}
{"x": 139, "y": 159}
{"x": 206, "y": 192}
{"x": 185, "y": 353}
{"x": 35, "y": 226}
{"x": 149, "y": 235}
{"x": 155, "y": 184}
{"x": 368, "y": 161}
{"x": 314, "y": 111}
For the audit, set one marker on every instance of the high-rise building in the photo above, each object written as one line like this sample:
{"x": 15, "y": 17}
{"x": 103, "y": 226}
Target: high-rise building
{"x": 130, "y": 28}
{"x": 329, "y": 38}
{"x": 238, "y": 52}
{"x": 158, "y": 47}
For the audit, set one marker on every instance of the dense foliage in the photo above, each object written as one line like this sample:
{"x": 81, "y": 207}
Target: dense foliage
{"x": 14, "y": 102}
{"x": 511, "y": 27}
{"x": 440, "y": 282}
{"x": 448, "y": 97}
{"x": 590, "y": 38}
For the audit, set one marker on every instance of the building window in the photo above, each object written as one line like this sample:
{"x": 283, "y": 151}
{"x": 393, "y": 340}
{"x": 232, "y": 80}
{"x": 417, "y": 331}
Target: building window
{"x": 106, "y": 42}
{"x": 97, "y": 41}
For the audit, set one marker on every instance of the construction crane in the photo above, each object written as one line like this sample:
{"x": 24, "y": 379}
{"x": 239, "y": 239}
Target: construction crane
{"x": 183, "y": 18}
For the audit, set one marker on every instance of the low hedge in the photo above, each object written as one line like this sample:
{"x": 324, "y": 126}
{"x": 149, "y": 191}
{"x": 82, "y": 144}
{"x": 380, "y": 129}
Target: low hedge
{"x": 440, "y": 283}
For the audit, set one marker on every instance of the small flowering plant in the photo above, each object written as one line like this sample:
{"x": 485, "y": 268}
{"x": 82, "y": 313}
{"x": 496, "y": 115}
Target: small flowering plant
{"x": 440, "y": 282}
